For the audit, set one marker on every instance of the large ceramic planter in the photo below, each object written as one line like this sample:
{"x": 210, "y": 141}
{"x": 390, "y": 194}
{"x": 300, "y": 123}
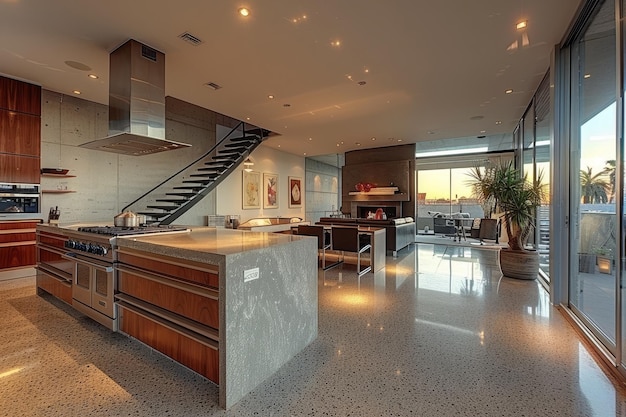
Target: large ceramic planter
{"x": 519, "y": 264}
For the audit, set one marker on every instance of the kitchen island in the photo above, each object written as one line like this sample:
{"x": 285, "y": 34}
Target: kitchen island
{"x": 232, "y": 305}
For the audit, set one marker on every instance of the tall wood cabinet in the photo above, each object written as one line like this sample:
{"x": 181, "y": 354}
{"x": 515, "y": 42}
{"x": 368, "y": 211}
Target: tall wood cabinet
{"x": 20, "y": 131}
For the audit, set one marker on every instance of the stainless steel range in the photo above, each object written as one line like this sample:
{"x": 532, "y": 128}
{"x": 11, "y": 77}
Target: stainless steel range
{"x": 92, "y": 252}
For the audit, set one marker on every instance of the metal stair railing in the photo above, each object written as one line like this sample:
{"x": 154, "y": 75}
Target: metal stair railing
{"x": 211, "y": 168}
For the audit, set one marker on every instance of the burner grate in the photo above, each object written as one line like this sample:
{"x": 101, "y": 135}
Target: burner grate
{"x": 125, "y": 231}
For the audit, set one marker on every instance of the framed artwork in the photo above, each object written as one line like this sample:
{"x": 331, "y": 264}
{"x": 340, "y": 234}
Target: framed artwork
{"x": 270, "y": 190}
{"x": 251, "y": 190}
{"x": 295, "y": 192}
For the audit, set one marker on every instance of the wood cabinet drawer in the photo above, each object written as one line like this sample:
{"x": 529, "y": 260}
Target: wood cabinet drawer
{"x": 15, "y": 256}
{"x": 191, "y": 301}
{"x": 19, "y": 225}
{"x": 172, "y": 267}
{"x": 169, "y": 339}
{"x": 57, "y": 287}
{"x": 17, "y": 237}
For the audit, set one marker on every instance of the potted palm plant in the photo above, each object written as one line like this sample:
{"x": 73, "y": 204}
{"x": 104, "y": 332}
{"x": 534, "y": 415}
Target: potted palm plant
{"x": 516, "y": 199}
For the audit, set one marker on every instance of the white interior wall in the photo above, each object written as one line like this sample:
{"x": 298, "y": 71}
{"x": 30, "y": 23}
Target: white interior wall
{"x": 229, "y": 192}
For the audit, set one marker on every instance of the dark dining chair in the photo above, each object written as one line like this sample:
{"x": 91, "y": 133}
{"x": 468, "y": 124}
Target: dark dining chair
{"x": 489, "y": 229}
{"x": 348, "y": 239}
{"x": 323, "y": 241}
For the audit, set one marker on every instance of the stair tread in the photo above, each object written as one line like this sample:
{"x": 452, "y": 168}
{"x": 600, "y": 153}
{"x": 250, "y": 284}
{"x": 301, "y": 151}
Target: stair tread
{"x": 216, "y": 170}
{"x": 166, "y": 208}
{"x": 206, "y": 174}
{"x": 204, "y": 182}
{"x": 178, "y": 201}
{"x": 187, "y": 187}
{"x": 217, "y": 163}
{"x": 245, "y": 138}
{"x": 238, "y": 145}
{"x": 181, "y": 194}
{"x": 153, "y": 214}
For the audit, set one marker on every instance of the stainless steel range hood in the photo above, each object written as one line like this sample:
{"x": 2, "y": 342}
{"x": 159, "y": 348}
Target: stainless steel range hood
{"x": 136, "y": 103}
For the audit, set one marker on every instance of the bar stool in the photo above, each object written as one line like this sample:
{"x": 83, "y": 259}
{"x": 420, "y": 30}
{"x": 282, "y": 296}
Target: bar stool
{"x": 323, "y": 241}
{"x": 347, "y": 239}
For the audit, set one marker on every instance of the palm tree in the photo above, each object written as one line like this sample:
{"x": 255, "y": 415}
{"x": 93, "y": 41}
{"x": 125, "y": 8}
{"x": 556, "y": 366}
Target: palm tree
{"x": 594, "y": 187}
{"x": 610, "y": 169}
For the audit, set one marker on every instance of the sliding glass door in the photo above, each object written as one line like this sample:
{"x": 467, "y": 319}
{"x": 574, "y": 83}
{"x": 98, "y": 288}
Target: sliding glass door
{"x": 593, "y": 233}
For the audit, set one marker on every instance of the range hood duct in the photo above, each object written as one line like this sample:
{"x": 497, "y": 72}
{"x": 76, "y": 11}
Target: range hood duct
{"x": 136, "y": 103}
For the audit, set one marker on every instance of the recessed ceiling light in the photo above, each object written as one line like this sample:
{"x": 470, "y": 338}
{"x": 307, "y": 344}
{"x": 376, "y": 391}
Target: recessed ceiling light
{"x": 271, "y": 96}
{"x": 362, "y": 82}
{"x": 310, "y": 138}
{"x": 399, "y": 140}
{"x": 498, "y": 122}
{"x": 337, "y": 145}
{"x": 366, "y": 70}
{"x": 358, "y": 143}
{"x": 373, "y": 138}
{"x": 93, "y": 76}
{"x": 521, "y": 25}
{"x": 482, "y": 131}
{"x": 304, "y": 153}
{"x": 244, "y": 11}
{"x": 587, "y": 76}
{"x": 247, "y": 118}
{"x": 76, "y": 92}
{"x": 509, "y": 91}
{"x": 336, "y": 43}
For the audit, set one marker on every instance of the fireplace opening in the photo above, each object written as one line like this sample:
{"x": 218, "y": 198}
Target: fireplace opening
{"x": 364, "y": 211}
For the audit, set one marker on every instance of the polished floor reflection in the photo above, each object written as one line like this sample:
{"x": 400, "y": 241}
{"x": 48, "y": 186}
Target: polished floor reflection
{"x": 437, "y": 333}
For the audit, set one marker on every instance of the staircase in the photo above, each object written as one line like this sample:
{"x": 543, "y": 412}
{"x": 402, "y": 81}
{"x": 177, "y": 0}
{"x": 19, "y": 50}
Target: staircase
{"x": 173, "y": 197}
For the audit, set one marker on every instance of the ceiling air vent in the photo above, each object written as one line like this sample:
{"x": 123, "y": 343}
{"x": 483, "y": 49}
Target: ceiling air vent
{"x": 149, "y": 53}
{"x": 213, "y": 86}
{"x": 188, "y": 37}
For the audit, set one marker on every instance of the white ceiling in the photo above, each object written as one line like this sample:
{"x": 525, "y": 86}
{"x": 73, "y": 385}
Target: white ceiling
{"x": 437, "y": 69}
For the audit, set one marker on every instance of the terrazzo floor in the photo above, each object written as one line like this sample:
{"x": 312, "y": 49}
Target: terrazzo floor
{"x": 437, "y": 333}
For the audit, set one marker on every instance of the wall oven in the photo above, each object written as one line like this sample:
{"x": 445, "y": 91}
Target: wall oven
{"x": 19, "y": 198}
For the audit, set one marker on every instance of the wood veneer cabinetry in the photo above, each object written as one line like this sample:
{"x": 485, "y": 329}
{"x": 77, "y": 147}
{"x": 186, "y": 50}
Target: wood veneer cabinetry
{"x": 20, "y": 131}
{"x": 171, "y": 307}
{"x": 17, "y": 243}
{"x": 20, "y": 96}
{"x": 54, "y": 272}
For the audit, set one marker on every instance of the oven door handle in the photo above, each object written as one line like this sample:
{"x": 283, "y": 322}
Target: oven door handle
{"x": 70, "y": 256}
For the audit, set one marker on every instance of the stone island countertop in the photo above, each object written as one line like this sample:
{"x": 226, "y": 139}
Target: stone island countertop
{"x": 206, "y": 244}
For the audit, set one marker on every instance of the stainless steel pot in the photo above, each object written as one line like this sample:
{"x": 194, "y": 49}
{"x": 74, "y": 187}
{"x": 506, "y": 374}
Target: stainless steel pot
{"x": 126, "y": 219}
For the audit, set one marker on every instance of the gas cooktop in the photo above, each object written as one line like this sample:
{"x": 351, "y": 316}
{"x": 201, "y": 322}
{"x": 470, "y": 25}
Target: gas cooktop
{"x": 127, "y": 231}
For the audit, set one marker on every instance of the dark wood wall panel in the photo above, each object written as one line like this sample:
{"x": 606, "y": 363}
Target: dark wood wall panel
{"x": 381, "y": 166}
{"x": 20, "y": 96}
